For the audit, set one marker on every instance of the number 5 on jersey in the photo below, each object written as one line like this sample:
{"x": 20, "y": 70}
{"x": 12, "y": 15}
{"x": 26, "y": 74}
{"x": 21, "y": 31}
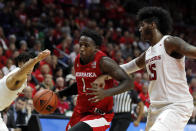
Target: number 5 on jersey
{"x": 152, "y": 72}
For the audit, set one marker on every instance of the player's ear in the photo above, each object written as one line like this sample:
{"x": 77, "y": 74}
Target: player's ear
{"x": 154, "y": 25}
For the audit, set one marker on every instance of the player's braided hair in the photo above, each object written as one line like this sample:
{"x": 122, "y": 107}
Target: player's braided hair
{"x": 93, "y": 35}
{"x": 158, "y": 15}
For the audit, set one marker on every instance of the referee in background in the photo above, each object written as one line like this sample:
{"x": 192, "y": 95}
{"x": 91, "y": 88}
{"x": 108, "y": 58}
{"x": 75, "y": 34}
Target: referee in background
{"x": 122, "y": 109}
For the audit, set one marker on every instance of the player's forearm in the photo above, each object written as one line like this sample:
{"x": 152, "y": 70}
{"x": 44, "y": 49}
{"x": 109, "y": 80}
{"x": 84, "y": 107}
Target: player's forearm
{"x": 122, "y": 87}
{"x": 26, "y": 68}
{"x": 71, "y": 90}
{"x": 141, "y": 110}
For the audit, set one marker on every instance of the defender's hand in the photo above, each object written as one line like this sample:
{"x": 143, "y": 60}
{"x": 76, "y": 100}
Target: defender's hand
{"x": 42, "y": 55}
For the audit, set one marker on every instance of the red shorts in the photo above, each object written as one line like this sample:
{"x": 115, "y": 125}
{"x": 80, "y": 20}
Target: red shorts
{"x": 97, "y": 122}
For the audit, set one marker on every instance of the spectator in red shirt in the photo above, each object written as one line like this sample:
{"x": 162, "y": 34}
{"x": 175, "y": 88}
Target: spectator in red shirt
{"x": 192, "y": 85}
{"x": 137, "y": 82}
{"x": 144, "y": 95}
{"x": 39, "y": 74}
{"x": 64, "y": 47}
{"x": 63, "y": 105}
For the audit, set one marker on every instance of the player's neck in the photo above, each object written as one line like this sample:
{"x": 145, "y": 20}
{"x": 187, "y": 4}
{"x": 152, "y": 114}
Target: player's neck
{"x": 89, "y": 59}
{"x": 156, "y": 37}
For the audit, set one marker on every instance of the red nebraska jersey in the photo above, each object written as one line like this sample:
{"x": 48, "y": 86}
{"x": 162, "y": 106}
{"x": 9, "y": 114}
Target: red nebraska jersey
{"x": 85, "y": 75}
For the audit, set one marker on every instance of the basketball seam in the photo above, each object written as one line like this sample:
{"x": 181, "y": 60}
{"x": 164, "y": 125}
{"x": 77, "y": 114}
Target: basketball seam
{"x": 46, "y": 103}
{"x": 36, "y": 102}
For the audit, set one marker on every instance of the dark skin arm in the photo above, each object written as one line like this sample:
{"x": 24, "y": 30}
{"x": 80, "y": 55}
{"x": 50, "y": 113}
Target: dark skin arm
{"x": 110, "y": 67}
{"x": 177, "y": 48}
{"x": 140, "y": 61}
{"x": 140, "y": 114}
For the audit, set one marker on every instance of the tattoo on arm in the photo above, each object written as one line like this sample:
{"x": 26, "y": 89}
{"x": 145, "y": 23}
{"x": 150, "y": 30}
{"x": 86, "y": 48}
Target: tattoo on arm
{"x": 110, "y": 67}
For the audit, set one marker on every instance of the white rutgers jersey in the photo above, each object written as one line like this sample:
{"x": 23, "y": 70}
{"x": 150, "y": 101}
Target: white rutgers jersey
{"x": 7, "y": 96}
{"x": 167, "y": 76}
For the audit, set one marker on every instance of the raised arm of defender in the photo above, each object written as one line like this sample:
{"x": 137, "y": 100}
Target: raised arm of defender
{"x": 15, "y": 80}
{"x": 134, "y": 65}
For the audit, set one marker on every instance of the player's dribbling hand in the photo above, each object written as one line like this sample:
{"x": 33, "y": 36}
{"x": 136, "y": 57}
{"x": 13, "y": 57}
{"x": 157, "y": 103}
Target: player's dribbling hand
{"x": 43, "y": 54}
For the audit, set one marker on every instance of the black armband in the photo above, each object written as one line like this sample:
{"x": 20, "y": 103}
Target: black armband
{"x": 71, "y": 90}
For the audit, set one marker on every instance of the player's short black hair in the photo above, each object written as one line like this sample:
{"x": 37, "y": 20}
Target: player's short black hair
{"x": 24, "y": 57}
{"x": 93, "y": 35}
{"x": 158, "y": 15}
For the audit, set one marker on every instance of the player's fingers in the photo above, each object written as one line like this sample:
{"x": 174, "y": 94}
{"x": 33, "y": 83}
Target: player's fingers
{"x": 45, "y": 52}
{"x": 97, "y": 100}
{"x": 92, "y": 93}
{"x": 92, "y": 89}
{"x": 93, "y": 98}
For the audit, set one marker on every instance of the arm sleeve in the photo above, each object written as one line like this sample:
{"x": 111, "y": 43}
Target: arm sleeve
{"x": 71, "y": 90}
{"x": 130, "y": 67}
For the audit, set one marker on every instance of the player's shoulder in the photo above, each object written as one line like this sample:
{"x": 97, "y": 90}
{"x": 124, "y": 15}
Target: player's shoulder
{"x": 100, "y": 53}
{"x": 172, "y": 43}
{"x": 170, "y": 39}
{"x": 77, "y": 58}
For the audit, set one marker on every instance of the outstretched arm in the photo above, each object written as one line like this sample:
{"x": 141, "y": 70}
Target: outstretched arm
{"x": 15, "y": 80}
{"x": 134, "y": 65}
{"x": 179, "y": 46}
{"x": 110, "y": 67}
{"x": 70, "y": 90}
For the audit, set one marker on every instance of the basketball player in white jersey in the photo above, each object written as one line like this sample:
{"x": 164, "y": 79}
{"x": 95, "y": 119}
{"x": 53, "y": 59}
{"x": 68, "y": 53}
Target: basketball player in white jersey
{"x": 13, "y": 83}
{"x": 171, "y": 102}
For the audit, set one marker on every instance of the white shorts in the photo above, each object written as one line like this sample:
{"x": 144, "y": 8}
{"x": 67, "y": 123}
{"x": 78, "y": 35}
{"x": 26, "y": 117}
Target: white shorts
{"x": 7, "y": 96}
{"x": 169, "y": 117}
{"x": 2, "y": 125}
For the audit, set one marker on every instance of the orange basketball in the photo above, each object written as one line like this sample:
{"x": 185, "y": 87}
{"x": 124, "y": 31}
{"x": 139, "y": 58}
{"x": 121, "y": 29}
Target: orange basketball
{"x": 45, "y": 101}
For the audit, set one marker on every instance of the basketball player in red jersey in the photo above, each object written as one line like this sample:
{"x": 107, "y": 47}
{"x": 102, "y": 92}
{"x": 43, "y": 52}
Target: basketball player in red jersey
{"x": 90, "y": 64}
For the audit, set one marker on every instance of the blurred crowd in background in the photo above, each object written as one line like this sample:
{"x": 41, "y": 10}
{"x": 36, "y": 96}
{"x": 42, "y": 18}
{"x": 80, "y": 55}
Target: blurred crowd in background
{"x": 34, "y": 25}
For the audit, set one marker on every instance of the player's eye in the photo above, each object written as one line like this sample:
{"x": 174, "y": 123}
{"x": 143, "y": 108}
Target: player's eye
{"x": 86, "y": 45}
